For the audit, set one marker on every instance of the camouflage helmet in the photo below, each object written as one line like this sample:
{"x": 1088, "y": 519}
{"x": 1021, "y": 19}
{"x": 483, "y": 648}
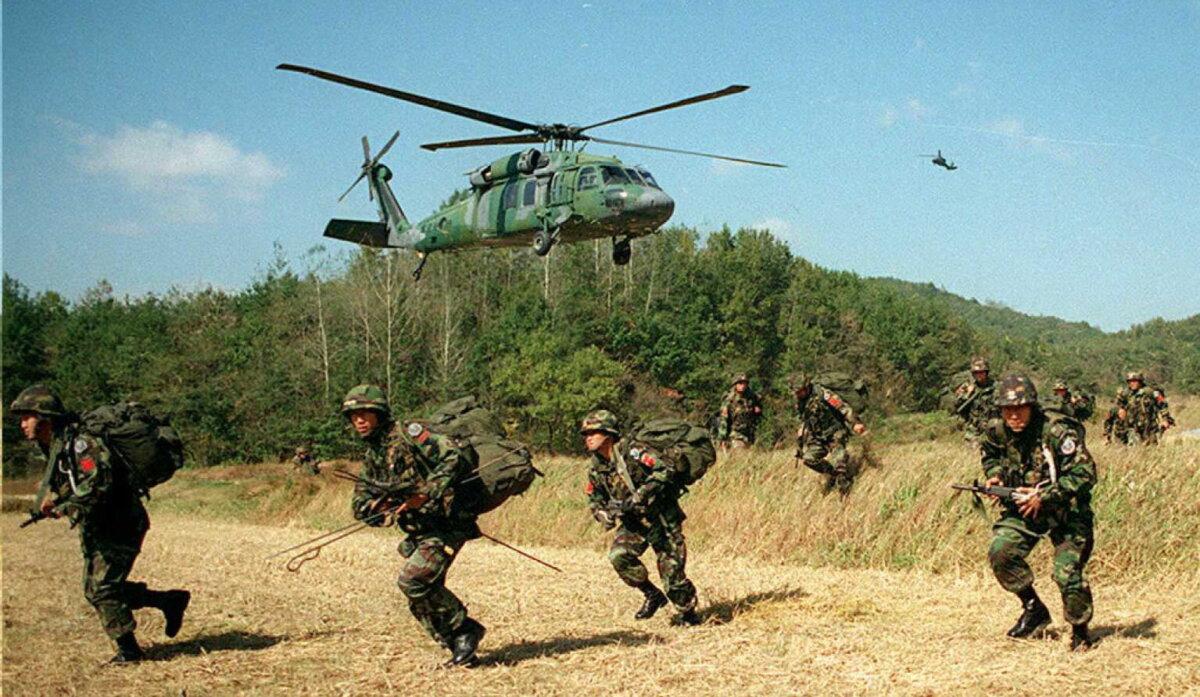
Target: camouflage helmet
{"x": 368, "y": 397}
{"x": 1061, "y": 385}
{"x": 740, "y": 377}
{"x": 1135, "y": 375}
{"x": 979, "y": 364}
{"x": 601, "y": 420}
{"x": 798, "y": 381}
{"x": 302, "y": 450}
{"x": 38, "y": 399}
{"x": 1015, "y": 390}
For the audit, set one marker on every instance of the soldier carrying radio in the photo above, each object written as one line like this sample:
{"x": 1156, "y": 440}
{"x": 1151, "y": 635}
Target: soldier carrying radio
{"x": 97, "y": 468}
{"x": 634, "y": 485}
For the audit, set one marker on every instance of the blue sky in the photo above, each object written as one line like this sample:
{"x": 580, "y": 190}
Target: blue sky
{"x": 153, "y": 143}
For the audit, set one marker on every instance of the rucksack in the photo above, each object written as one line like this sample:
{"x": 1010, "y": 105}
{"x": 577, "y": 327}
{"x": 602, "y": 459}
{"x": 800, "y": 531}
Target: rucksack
{"x": 501, "y": 469}
{"x": 853, "y": 391}
{"x": 689, "y": 447}
{"x": 148, "y": 448}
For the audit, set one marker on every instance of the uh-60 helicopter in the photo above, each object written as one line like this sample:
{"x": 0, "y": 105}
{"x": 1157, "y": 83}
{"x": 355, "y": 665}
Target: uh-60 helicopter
{"x": 531, "y": 197}
{"x": 941, "y": 161}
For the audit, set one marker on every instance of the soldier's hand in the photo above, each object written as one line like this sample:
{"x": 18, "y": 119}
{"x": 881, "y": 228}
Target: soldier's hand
{"x": 1031, "y": 502}
{"x": 604, "y": 518}
{"x": 860, "y": 428}
{"x": 993, "y": 481}
{"x": 48, "y": 509}
{"x": 1121, "y": 413}
{"x": 415, "y": 502}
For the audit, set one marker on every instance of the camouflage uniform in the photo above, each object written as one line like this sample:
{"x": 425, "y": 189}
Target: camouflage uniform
{"x": 644, "y": 482}
{"x": 1082, "y": 405}
{"x": 825, "y": 426}
{"x": 414, "y": 461}
{"x": 1149, "y": 415}
{"x": 1049, "y": 451}
{"x": 98, "y": 498}
{"x": 739, "y": 416}
{"x": 1116, "y": 427}
{"x": 973, "y": 401}
{"x": 304, "y": 460}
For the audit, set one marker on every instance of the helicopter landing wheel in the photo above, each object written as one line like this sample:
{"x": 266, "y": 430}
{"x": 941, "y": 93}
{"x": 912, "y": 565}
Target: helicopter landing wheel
{"x": 621, "y": 252}
{"x": 543, "y": 240}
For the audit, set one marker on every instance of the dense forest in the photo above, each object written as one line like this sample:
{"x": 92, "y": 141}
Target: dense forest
{"x": 246, "y": 375}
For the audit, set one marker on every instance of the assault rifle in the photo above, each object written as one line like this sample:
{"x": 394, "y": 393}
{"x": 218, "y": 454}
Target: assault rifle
{"x": 1004, "y": 493}
{"x": 34, "y": 516}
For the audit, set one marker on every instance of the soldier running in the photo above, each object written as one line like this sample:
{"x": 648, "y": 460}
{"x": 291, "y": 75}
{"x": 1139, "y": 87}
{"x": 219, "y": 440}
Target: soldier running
{"x": 633, "y": 488}
{"x": 82, "y": 483}
{"x": 826, "y": 422}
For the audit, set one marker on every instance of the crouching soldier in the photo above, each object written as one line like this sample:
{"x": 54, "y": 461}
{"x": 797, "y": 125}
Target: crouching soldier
{"x": 82, "y": 483}
{"x": 1046, "y": 458}
{"x": 408, "y": 479}
{"x": 632, "y": 488}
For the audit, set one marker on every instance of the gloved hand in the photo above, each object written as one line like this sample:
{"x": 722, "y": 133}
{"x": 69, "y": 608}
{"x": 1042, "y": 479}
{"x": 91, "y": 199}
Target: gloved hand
{"x": 605, "y": 518}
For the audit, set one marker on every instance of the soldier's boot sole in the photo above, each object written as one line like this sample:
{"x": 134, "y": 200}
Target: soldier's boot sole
{"x": 173, "y": 610}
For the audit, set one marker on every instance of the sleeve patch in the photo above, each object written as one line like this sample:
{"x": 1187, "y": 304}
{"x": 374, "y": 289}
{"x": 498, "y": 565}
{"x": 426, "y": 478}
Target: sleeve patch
{"x": 834, "y": 401}
{"x": 81, "y": 446}
{"x": 88, "y": 465}
{"x": 648, "y": 460}
{"x": 1068, "y": 446}
{"x": 589, "y": 488}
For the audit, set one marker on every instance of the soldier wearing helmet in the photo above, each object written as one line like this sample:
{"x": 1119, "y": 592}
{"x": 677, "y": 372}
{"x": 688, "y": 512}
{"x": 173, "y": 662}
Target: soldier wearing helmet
{"x": 1140, "y": 413}
{"x": 408, "y": 479}
{"x": 1044, "y": 456}
{"x": 1081, "y": 406}
{"x": 973, "y": 402}
{"x": 304, "y": 460}
{"x": 82, "y": 483}
{"x": 741, "y": 410}
{"x": 633, "y": 488}
{"x": 826, "y": 422}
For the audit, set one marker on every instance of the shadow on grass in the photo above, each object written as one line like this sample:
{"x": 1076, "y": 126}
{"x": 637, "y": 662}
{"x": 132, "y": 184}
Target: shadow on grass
{"x": 1130, "y": 630}
{"x": 724, "y": 611}
{"x": 555, "y": 646}
{"x": 209, "y": 643}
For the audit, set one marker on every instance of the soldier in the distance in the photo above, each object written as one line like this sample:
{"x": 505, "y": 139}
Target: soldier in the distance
{"x": 1082, "y": 405}
{"x": 973, "y": 399}
{"x": 304, "y": 460}
{"x": 826, "y": 422}
{"x": 740, "y": 413}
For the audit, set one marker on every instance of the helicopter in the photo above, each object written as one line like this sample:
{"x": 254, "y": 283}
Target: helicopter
{"x": 532, "y": 197}
{"x": 941, "y": 161}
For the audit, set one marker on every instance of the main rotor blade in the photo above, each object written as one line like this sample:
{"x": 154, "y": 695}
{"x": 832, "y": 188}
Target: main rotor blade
{"x": 685, "y": 152}
{"x": 356, "y": 181}
{"x": 386, "y": 147}
{"x": 732, "y": 89}
{"x": 494, "y": 140}
{"x": 495, "y": 120}
{"x": 366, "y": 151}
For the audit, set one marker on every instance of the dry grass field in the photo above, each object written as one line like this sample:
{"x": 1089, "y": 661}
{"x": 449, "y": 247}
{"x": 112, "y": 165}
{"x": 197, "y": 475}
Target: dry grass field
{"x": 801, "y": 593}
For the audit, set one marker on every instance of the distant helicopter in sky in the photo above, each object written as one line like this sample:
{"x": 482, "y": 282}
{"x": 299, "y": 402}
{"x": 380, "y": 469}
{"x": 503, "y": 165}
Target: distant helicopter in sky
{"x": 941, "y": 161}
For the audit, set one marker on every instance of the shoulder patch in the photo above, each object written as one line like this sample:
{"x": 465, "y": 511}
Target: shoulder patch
{"x": 81, "y": 446}
{"x": 415, "y": 429}
{"x": 589, "y": 488}
{"x": 647, "y": 459}
{"x": 87, "y": 465}
{"x": 1068, "y": 446}
{"x": 635, "y": 453}
{"x": 833, "y": 400}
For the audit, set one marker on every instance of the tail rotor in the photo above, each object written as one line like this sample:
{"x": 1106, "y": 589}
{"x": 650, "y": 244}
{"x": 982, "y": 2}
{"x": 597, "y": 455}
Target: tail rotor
{"x": 369, "y": 165}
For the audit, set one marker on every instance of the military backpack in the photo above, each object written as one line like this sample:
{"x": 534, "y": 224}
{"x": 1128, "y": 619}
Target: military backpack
{"x": 146, "y": 447}
{"x": 853, "y": 391}
{"x": 502, "y": 468}
{"x": 687, "y": 446}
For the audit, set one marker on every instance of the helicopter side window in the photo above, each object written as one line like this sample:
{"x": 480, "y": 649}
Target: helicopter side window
{"x": 510, "y": 195}
{"x": 613, "y": 175}
{"x": 587, "y": 178}
{"x": 633, "y": 176}
{"x": 649, "y": 178}
{"x": 530, "y": 193}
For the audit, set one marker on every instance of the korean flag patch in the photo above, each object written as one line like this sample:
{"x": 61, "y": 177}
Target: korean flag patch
{"x": 1068, "y": 446}
{"x": 81, "y": 446}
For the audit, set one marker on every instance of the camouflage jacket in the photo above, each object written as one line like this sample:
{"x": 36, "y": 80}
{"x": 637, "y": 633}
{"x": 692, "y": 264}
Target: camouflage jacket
{"x": 739, "y": 414}
{"x": 86, "y": 485}
{"x": 652, "y": 479}
{"x": 411, "y": 460}
{"x": 1084, "y": 405}
{"x": 1050, "y": 451}
{"x": 974, "y": 403}
{"x": 1148, "y": 409}
{"x": 823, "y": 414}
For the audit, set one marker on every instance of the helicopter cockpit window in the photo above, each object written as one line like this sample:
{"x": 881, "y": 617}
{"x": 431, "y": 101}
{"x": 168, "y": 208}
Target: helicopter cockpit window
{"x": 613, "y": 175}
{"x": 587, "y": 178}
{"x": 530, "y": 193}
{"x": 649, "y": 178}
{"x": 633, "y": 176}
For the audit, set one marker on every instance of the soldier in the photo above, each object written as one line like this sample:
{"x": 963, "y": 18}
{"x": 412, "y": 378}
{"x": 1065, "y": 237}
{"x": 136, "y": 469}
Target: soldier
{"x": 633, "y": 487}
{"x": 1046, "y": 457}
{"x": 740, "y": 412}
{"x": 826, "y": 422}
{"x": 1082, "y": 406}
{"x": 1147, "y": 411}
{"x": 973, "y": 399}
{"x": 304, "y": 460}
{"x": 422, "y": 468}
{"x": 1116, "y": 424}
{"x": 82, "y": 483}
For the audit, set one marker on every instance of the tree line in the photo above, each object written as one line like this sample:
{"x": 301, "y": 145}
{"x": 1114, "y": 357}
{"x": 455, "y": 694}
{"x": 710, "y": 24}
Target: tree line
{"x": 246, "y": 375}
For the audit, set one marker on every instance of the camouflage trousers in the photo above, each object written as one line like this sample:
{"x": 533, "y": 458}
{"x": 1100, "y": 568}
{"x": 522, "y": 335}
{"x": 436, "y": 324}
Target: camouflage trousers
{"x": 827, "y": 455}
{"x": 107, "y": 561}
{"x": 1072, "y": 539}
{"x": 427, "y": 558}
{"x": 669, "y": 547}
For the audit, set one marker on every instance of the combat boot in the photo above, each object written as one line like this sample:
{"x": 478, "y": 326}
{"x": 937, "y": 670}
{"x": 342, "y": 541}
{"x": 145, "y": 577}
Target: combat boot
{"x": 128, "y": 650}
{"x": 1034, "y": 618}
{"x": 687, "y": 618}
{"x": 1081, "y": 639}
{"x": 465, "y": 642}
{"x": 654, "y": 600}
{"x": 173, "y": 605}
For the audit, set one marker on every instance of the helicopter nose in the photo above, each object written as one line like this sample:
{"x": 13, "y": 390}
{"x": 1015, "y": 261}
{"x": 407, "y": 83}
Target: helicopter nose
{"x": 655, "y": 204}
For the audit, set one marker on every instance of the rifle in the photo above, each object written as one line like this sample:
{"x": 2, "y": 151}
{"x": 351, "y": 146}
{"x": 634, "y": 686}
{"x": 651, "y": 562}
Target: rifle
{"x": 34, "y": 516}
{"x": 1004, "y": 493}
